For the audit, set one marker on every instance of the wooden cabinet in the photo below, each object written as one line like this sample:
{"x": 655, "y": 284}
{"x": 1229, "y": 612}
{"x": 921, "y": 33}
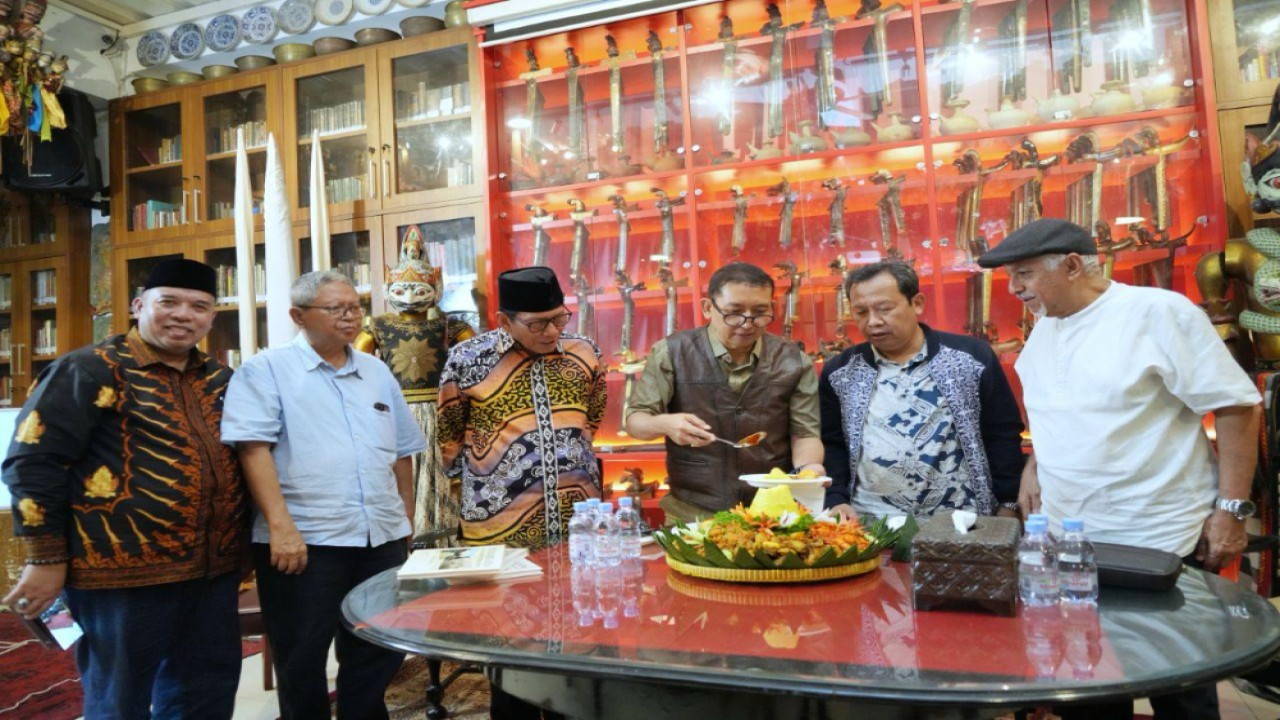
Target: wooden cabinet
{"x": 400, "y": 130}
{"x": 44, "y": 287}
{"x": 1246, "y": 50}
{"x": 173, "y": 163}
{"x": 398, "y": 125}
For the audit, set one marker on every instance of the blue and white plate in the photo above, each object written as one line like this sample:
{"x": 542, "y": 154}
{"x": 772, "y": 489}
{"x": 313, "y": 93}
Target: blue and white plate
{"x": 153, "y": 48}
{"x": 222, "y": 33}
{"x": 258, "y": 25}
{"x": 372, "y": 7}
{"x": 295, "y": 16}
{"x": 186, "y": 42}
{"x": 334, "y": 12}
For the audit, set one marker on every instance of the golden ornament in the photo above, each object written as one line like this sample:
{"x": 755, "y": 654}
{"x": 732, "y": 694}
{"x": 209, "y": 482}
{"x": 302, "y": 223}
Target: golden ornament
{"x": 32, "y": 513}
{"x": 30, "y": 430}
{"x": 102, "y": 484}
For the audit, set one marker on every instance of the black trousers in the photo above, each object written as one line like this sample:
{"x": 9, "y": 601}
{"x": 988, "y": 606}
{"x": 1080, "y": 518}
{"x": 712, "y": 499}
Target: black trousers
{"x": 503, "y": 706}
{"x": 302, "y": 615}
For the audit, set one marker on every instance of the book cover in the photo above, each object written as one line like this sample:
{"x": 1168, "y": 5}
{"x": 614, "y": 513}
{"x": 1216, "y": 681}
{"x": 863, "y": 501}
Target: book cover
{"x": 485, "y": 561}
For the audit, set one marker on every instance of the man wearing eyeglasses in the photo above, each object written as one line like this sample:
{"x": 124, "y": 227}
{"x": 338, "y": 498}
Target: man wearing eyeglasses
{"x": 519, "y": 406}
{"x": 727, "y": 379}
{"x": 916, "y": 421}
{"x": 326, "y": 441}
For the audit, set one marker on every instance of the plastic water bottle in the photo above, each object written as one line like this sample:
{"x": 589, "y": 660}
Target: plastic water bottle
{"x": 628, "y": 528}
{"x": 608, "y": 552}
{"x": 583, "y": 584}
{"x": 1077, "y": 568}
{"x": 608, "y": 594}
{"x": 1037, "y": 566}
{"x": 580, "y": 535}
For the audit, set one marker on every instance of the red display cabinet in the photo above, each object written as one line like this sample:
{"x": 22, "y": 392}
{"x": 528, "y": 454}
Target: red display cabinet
{"x": 636, "y": 157}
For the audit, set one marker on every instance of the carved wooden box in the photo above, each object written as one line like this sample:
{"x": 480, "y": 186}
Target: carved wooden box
{"x": 976, "y": 569}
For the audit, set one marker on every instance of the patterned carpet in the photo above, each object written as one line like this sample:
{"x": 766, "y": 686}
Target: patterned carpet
{"x": 35, "y": 682}
{"x": 467, "y": 698}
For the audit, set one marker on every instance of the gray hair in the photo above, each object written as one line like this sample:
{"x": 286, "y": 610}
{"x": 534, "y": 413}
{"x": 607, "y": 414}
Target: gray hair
{"x": 1090, "y": 262}
{"x": 304, "y": 290}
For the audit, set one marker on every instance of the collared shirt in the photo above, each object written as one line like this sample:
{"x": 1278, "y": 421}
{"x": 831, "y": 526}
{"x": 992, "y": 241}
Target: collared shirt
{"x": 516, "y": 428}
{"x": 116, "y": 462}
{"x": 1115, "y": 395}
{"x": 336, "y": 433}
{"x": 656, "y": 386}
{"x": 911, "y": 458}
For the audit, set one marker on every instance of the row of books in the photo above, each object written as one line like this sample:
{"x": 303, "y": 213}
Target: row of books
{"x": 357, "y": 272}
{"x": 6, "y": 391}
{"x": 486, "y": 563}
{"x": 154, "y": 214}
{"x": 227, "y": 278}
{"x": 223, "y": 210}
{"x": 45, "y": 287}
{"x": 6, "y": 291}
{"x": 47, "y": 338}
{"x": 347, "y": 189}
{"x": 334, "y": 118}
{"x": 6, "y": 343}
{"x": 432, "y": 102}
{"x": 168, "y": 150}
{"x": 255, "y": 135}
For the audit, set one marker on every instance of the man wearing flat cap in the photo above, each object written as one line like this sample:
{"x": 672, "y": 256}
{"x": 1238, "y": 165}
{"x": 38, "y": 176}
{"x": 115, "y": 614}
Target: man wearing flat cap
{"x": 519, "y": 406}
{"x": 126, "y": 502}
{"x": 1116, "y": 380}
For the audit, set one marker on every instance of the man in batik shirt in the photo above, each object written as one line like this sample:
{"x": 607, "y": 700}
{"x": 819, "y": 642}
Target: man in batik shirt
{"x": 519, "y": 407}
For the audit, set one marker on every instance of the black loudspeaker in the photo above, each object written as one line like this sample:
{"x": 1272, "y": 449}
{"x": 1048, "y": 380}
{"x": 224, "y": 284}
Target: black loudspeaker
{"x": 67, "y": 163}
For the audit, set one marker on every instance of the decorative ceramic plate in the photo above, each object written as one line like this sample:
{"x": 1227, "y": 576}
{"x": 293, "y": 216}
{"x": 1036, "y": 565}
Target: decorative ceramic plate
{"x": 372, "y": 7}
{"x": 413, "y": 3}
{"x": 259, "y": 24}
{"x": 334, "y": 12}
{"x": 153, "y": 49}
{"x": 222, "y": 33}
{"x": 186, "y": 42}
{"x": 295, "y": 16}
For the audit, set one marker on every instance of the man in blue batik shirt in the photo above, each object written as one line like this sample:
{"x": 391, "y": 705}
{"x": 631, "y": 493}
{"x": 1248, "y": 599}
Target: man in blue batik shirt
{"x": 915, "y": 421}
{"x": 326, "y": 443}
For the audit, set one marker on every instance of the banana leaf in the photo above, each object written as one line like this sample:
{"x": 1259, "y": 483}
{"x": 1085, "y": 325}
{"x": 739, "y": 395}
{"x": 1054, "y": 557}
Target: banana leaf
{"x": 791, "y": 561}
{"x": 827, "y": 559}
{"x": 691, "y": 556}
{"x": 745, "y": 560}
{"x": 716, "y": 556}
{"x": 902, "y": 549}
{"x": 765, "y": 561}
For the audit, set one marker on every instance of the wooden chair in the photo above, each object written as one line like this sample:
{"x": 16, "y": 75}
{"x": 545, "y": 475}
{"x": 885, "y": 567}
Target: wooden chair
{"x": 251, "y": 625}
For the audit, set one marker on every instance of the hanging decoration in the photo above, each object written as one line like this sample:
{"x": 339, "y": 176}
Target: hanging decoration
{"x": 30, "y": 77}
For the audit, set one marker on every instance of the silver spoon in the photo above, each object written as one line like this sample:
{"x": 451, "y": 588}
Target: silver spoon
{"x": 751, "y": 440}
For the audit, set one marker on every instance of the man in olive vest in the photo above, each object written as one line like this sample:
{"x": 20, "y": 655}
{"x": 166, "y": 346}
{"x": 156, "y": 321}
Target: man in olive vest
{"x": 727, "y": 379}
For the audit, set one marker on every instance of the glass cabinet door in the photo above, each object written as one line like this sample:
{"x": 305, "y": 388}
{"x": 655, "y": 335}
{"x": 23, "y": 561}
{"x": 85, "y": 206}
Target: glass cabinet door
{"x": 130, "y": 266}
{"x": 226, "y": 108}
{"x": 591, "y": 104}
{"x": 431, "y": 123}
{"x": 334, "y": 97}
{"x": 153, "y": 201}
{"x": 355, "y": 247}
{"x": 451, "y": 239}
{"x": 223, "y": 341}
{"x": 1246, "y": 48}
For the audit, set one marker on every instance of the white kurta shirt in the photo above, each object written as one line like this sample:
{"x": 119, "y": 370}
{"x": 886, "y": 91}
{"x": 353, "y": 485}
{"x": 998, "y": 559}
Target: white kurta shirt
{"x": 1115, "y": 396}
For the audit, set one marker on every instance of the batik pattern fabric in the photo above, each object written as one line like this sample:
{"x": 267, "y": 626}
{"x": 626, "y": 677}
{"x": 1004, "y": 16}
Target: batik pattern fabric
{"x": 516, "y": 429}
{"x": 416, "y": 349}
{"x": 117, "y": 464}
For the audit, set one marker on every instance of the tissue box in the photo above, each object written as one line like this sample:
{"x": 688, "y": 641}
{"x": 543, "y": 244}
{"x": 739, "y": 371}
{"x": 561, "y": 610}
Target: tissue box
{"x": 976, "y": 569}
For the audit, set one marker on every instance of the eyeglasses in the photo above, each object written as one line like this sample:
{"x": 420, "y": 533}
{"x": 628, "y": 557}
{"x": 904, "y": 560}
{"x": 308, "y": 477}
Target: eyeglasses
{"x": 337, "y": 311}
{"x": 537, "y": 326}
{"x": 739, "y": 319}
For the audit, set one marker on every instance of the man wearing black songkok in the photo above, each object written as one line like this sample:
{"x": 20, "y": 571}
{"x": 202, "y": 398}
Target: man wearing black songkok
{"x": 526, "y": 394}
{"x": 125, "y": 498}
{"x": 519, "y": 407}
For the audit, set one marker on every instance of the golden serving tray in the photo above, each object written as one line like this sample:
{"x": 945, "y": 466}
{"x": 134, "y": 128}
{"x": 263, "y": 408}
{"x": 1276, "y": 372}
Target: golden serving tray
{"x": 774, "y": 576}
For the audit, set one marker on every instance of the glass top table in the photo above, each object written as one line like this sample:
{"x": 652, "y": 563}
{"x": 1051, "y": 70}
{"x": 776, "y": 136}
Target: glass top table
{"x": 857, "y": 639}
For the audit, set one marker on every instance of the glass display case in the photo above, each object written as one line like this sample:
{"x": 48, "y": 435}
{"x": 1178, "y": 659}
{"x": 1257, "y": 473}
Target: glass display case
{"x": 152, "y": 176}
{"x": 355, "y": 249}
{"x": 1240, "y": 129}
{"x": 227, "y": 108}
{"x": 451, "y": 239}
{"x": 810, "y": 138}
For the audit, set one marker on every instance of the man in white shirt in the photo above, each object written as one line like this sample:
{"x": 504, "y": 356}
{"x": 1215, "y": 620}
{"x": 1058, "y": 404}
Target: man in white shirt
{"x": 1116, "y": 381}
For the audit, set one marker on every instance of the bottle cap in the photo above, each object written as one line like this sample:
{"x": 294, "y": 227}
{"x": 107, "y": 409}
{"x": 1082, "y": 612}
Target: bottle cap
{"x": 593, "y": 502}
{"x": 625, "y": 501}
{"x": 1037, "y": 525}
{"x": 1037, "y": 516}
{"x": 606, "y": 507}
{"x": 580, "y": 506}
{"x": 1073, "y": 525}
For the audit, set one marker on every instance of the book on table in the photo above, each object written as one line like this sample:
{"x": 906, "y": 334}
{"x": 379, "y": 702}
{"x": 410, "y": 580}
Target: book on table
{"x": 479, "y": 562}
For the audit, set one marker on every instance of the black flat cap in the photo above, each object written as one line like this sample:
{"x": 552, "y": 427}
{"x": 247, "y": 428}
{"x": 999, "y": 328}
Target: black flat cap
{"x": 531, "y": 289}
{"x": 1046, "y": 236}
{"x": 182, "y": 273}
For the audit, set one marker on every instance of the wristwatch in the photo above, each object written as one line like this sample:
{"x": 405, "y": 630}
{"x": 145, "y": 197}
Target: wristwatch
{"x": 1240, "y": 508}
